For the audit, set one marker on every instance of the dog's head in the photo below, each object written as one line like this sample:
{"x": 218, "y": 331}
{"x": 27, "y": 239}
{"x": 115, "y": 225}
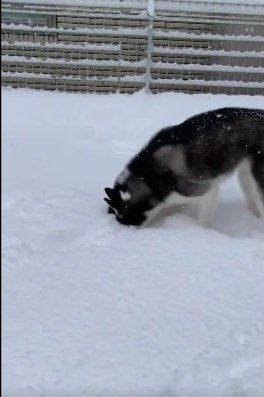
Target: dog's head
{"x": 131, "y": 199}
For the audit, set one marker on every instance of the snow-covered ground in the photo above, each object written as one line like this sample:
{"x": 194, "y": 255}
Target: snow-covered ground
{"x": 91, "y": 307}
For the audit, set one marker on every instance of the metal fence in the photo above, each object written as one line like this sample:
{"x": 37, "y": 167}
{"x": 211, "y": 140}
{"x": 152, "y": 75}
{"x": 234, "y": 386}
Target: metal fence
{"x": 184, "y": 46}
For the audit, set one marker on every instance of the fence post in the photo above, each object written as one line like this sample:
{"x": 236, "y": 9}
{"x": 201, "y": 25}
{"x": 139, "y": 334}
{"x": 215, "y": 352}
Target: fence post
{"x": 151, "y": 13}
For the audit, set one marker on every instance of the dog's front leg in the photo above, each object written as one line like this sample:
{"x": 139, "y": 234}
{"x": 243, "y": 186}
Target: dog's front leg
{"x": 207, "y": 205}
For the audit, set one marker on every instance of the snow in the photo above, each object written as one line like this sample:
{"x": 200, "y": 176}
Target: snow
{"x": 126, "y": 79}
{"x": 138, "y": 32}
{"x": 142, "y": 63}
{"x": 134, "y": 79}
{"x": 90, "y": 62}
{"x": 66, "y": 46}
{"x": 247, "y": 7}
{"x": 156, "y": 50}
{"x": 209, "y": 83}
{"x": 194, "y": 67}
{"x": 151, "y": 8}
{"x": 205, "y": 52}
{"x": 135, "y": 3}
{"x": 91, "y": 307}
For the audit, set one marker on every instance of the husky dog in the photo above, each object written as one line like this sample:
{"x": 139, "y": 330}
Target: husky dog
{"x": 187, "y": 162}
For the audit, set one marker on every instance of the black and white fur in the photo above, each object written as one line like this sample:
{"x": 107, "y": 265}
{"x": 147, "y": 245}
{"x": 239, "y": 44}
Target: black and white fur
{"x": 186, "y": 163}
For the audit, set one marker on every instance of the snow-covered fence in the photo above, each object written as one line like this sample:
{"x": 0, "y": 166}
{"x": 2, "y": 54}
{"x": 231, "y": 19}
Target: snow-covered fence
{"x": 189, "y": 46}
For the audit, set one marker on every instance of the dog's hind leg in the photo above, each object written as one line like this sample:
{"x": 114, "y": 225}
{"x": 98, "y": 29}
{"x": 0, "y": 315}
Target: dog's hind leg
{"x": 251, "y": 178}
{"x": 207, "y": 205}
{"x": 258, "y": 177}
{"x": 247, "y": 184}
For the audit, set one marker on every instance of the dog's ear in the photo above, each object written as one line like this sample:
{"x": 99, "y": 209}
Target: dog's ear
{"x": 112, "y": 208}
{"x": 109, "y": 202}
{"x": 115, "y": 201}
{"x": 112, "y": 194}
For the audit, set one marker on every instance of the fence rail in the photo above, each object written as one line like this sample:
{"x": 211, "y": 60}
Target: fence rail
{"x": 125, "y": 48}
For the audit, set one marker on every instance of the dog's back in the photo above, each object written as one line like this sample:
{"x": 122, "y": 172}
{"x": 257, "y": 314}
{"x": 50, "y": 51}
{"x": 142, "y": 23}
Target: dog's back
{"x": 213, "y": 142}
